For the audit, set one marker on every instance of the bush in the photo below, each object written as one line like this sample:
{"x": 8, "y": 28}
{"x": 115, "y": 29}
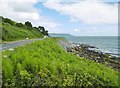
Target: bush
{"x": 42, "y": 30}
{"x": 19, "y": 25}
{"x": 28, "y": 24}
{"x": 8, "y": 21}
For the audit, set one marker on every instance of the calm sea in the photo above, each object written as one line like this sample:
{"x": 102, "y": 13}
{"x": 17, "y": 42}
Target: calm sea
{"x": 105, "y": 44}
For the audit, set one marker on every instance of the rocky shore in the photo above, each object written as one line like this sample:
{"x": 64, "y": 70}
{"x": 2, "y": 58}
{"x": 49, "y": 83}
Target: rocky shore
{"x": 89, "y": 52}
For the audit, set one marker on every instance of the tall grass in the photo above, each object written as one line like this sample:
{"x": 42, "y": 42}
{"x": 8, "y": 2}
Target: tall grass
{"x": 12, "y": 33}
{"x": 44, "y": 63}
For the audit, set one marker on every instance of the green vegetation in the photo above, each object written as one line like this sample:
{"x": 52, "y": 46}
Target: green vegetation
{"x": 20, "y": 25}
{"x": 12, "y": 31}
{"x": 0, "y": 60}
{"x": 28, "y": 25}
{"x": 42, "y": 30}
{"x": 45, "y": 63}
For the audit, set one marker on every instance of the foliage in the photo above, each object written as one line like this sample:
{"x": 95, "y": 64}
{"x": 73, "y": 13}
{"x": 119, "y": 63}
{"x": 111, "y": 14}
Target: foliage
{"x": 43, "y": 31}
{"x": 6, "y": 20}
{"x": 12, "y": 33}
{"x": 28, "y": 25}
{"x": 46, "y": 33}
{"x": 19, "y": 25}
{"x": 0, "y": 60}
{"x": 15, "y": 31}
{"x": 44, "y": 63}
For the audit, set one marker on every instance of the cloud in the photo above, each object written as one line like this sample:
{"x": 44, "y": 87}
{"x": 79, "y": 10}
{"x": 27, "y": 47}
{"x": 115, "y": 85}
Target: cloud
{"x": 24, "y": 10}
{"x": 79, "y": 11}
{"x": 87, "y": 12}
{"x": 76, "y": 30}
{"x": 31, "y": 1}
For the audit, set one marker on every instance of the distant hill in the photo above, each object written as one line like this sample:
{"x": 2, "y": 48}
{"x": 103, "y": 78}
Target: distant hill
{"x": 60, "y": 35}
{"x": 12, "y": 30}
{"x": 66, "y": 36}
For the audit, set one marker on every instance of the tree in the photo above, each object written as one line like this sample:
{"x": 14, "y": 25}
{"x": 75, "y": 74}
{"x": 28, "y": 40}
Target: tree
{"x": 28, "y": 24}
{"x": 35, "y": 27}
{"x": 46, "y": 33}
{"x": 19, "y": 25}
{"x": 43, "y": 31}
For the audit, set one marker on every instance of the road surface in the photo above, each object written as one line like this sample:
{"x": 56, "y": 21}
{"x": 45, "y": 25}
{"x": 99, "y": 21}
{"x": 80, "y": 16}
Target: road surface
{"x": 17, "y": 43}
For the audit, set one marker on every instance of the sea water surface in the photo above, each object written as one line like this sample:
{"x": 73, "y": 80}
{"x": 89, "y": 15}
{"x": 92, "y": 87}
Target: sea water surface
{"x": 105, "y": 44}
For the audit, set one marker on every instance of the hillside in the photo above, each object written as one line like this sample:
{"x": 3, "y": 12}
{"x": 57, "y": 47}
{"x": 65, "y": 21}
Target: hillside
{"x": 45, "y": 63}
{"x": 60, "y": 35}
{"x": 12, "y": 30}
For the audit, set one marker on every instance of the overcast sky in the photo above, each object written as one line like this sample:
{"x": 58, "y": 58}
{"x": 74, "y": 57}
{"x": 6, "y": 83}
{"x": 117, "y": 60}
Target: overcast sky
{"x": 76, "y": 17}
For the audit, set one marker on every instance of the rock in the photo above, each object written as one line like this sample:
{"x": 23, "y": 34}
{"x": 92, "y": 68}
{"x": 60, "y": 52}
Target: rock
{"x": 85, "y": 51}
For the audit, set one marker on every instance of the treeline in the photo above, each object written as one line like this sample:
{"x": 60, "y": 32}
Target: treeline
{"x": 27, "y": 25}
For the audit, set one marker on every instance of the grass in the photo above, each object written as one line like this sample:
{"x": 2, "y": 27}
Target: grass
{"x": 0, "y": 61}
{"x": 13, "y": 33}
{"x": 45, "y": 63}
{"x": 0, "y": 69}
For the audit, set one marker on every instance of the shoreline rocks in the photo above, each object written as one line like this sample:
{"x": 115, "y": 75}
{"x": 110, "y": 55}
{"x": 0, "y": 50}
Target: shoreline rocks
{"x": 84, "y": 50}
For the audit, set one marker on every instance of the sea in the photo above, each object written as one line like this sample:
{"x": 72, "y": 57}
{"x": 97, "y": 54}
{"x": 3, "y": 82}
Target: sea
{"x": 105, "y": 44}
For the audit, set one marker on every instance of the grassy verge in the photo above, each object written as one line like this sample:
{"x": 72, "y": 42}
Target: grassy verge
{"x": 44, "y": 63}
{"x": 0, "y": 62}
{"x": 13, "y": 33}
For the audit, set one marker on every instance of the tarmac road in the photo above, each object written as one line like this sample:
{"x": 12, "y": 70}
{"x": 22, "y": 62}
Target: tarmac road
{"x": 17, "y": 43}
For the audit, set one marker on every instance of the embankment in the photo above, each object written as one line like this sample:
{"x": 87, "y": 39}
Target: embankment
{"x": 45, "y": 63}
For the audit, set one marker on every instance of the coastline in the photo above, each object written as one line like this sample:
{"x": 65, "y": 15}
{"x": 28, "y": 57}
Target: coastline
{"x": 105, "y": 44}
{"x": 89, "y": 52}
{"x": 49, "y": 64}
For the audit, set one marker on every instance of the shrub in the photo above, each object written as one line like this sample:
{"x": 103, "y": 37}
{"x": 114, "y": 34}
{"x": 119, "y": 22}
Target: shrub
{"x": 19, "y": 25}
{"x": 28, "y": 24}
{"x": 8, "y": 21}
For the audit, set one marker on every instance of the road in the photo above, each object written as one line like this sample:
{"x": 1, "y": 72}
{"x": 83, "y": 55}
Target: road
{"x": 17, "y": 43}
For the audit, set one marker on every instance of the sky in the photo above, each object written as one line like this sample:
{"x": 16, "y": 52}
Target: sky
{"x": 75, "y": 17}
